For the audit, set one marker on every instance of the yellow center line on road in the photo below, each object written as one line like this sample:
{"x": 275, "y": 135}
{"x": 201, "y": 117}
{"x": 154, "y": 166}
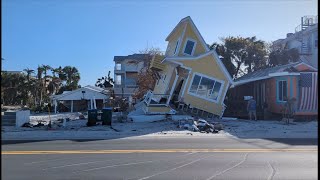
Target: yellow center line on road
{"x": 153, "y": 151}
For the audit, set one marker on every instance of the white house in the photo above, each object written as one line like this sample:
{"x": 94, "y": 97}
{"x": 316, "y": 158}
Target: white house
{"x": 80, "y": 99}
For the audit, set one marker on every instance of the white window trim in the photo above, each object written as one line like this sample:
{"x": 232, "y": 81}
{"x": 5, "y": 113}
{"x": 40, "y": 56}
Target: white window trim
{"x": 211, "y": 78}
{"x": 176, "y": 47}
{"x": 168, "y": 49}
{"x": 185, "y": 44}
{"x": 279, "y": 100}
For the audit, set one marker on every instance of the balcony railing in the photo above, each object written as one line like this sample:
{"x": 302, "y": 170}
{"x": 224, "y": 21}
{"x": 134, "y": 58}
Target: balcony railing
{"x": 126, "y": 69}
{"x": 306, "y": 21}
{"x": 156, "y": 99}
{"x": 130, "y": 83}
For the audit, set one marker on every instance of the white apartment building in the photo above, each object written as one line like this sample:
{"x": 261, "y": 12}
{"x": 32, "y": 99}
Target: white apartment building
{"x": 126, "y": 73}
{"x": 305, "y": 39}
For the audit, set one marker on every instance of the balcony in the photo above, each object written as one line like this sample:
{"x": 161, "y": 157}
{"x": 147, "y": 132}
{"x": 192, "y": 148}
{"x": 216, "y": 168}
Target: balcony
{"x": 118, "y": 68}
{"x": 126, "y": 68}
{"x": 130, "y": 83}
{"x": 131, "y": 68}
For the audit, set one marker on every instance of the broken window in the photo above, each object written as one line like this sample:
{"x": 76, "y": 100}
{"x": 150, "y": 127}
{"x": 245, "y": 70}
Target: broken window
{"x": 215, "y": 91}
{"x": 195, "y": 84}
{"x": 205, "y": 87}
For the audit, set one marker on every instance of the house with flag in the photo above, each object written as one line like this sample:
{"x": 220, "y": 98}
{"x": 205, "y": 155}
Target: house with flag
{"x": 272, "y": 87}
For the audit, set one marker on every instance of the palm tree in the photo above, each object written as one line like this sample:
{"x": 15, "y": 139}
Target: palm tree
{"x": 45, "y": 70}
{"x": 40, "y": 83}
{"x": 28, "y": 89}
{"x": 13, "y": 88}
{"x": 55, "y": 83}
{"x": 72, "y": 76}
{"x": 29, "y": 72}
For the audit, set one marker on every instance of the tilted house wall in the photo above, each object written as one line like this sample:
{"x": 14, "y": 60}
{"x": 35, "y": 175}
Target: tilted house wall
{"x": 181, "y": 69}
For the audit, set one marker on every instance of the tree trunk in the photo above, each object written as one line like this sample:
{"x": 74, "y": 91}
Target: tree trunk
{"x": 237, "y": 69}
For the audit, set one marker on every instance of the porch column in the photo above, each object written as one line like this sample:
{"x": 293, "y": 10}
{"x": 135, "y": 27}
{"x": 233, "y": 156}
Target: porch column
{"x": 71, "y": 105}
{"x": 185, "y": 84}
{"x": 173, "y": 86}
{"x": 94, "y": 102}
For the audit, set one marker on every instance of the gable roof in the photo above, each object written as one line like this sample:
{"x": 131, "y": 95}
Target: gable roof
{"x": 194, "y": 28}
{"x": 215, "y": 57}
{"x": 88, "y": 87}
{"x": 204, "y": 44}
{"x": 287, "y": 69}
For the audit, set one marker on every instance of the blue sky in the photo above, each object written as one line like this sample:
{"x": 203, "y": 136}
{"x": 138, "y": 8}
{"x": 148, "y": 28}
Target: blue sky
{"x": 88, "y": 33}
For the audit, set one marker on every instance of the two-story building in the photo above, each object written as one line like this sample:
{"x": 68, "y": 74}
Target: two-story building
{"x": 305, "y": 39}
{"x": 191, "y": 74}
{"x": 126, "y": 72}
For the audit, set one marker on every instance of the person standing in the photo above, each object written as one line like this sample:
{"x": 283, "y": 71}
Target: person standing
{"x": 251, "y": 108}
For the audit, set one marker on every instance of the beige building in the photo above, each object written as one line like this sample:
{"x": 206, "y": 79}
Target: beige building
{"x": 126, "y": 71}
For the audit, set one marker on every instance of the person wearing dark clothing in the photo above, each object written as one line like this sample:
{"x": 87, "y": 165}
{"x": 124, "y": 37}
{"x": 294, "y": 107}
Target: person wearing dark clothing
{"x": 251, "y": 108}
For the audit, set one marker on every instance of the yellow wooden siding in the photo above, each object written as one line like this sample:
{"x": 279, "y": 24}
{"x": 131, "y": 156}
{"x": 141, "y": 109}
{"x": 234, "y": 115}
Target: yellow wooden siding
{"x": 156, "y": 63}
{"x": 203, "y": 104}
{"x": 161, "y": 87}
{"x": 207, "y": 66}
{"x": 189, "y": 33}
{"x": 172, "y": 41}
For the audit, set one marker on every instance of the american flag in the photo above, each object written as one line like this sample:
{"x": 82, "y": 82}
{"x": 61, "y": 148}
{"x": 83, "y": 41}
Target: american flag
{"x": 308, "y": 91}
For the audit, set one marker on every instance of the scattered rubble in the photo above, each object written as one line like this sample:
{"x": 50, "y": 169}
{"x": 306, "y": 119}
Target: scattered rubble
{"x": 27, "y": 125}
{"x": 199, "y": 125}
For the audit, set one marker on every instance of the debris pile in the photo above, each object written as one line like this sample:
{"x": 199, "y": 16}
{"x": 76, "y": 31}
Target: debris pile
{"x": 200, "y": 125}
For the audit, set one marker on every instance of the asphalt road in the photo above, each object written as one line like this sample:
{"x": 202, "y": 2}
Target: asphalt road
{"x": 161, "y": 158}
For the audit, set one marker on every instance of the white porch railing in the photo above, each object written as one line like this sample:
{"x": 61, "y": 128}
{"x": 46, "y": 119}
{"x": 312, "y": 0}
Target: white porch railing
{"x": 156, "y": 99}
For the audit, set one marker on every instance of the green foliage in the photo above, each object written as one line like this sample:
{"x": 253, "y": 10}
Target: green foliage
{"x": 283, "y": 56}
{"x": 238, "y": 52}
{"x": 28, "y": 90}
{"x": 105, "y": 82}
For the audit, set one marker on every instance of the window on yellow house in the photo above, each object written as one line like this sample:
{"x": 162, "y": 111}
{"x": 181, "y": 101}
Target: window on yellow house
{"x": 205, "y": 87}
{"x": 189, "y": 47}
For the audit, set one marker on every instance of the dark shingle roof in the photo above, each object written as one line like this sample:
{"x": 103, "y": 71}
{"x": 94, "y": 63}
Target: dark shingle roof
{"x": 133, "y": 56}
{"x": 265, "y": 72}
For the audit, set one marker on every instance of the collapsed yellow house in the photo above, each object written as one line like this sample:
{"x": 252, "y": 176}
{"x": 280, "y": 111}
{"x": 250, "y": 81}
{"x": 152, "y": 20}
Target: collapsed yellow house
{"x": 192, "y": 75}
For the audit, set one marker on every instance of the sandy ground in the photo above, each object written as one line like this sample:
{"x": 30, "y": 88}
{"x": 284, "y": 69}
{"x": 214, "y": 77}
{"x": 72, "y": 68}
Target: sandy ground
{"x": 76, "y": 128}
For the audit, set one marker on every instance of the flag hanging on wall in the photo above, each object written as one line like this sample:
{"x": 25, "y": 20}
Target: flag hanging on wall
{"x": 308, "y": 91}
